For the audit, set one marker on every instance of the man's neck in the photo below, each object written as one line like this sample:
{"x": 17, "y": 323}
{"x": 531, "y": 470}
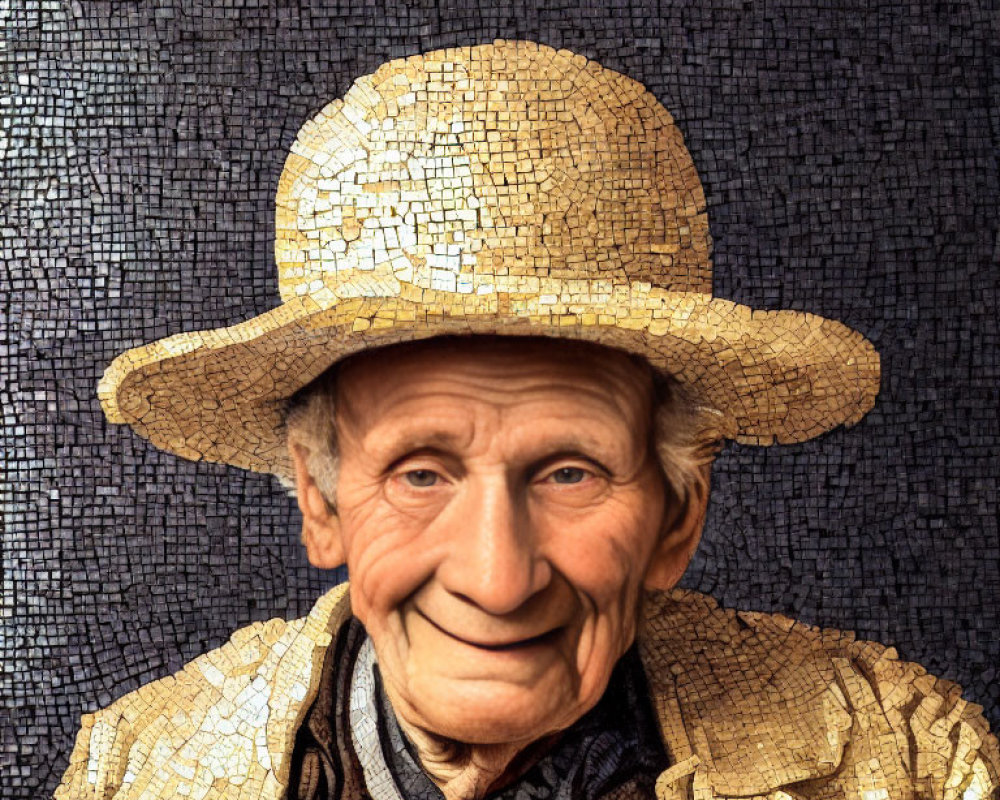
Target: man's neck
{"x": 470, "y": 771}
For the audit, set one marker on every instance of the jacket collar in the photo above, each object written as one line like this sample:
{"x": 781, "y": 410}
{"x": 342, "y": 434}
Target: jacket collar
{"x": 747, "y": 703}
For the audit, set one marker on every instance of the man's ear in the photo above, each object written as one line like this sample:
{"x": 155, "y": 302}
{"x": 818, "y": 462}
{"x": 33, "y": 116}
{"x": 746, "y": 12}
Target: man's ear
{"x": 682, "y": 525}
{"x": 320, "y": 524}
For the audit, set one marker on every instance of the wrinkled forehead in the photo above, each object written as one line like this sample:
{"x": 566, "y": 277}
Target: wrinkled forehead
{"x": 494, "y": 366}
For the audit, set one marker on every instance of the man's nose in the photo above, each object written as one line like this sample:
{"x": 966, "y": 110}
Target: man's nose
{"x": 494, "y": 561}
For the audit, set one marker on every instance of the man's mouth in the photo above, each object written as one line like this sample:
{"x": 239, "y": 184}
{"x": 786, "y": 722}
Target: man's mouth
{"x": 497, "y": 646}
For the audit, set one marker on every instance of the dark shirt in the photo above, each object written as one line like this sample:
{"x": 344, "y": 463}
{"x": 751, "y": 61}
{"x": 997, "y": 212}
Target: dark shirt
{"x": 613, "y": 746}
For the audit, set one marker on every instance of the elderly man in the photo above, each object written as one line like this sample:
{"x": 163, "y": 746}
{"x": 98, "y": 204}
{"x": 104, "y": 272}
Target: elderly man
{"x": 496, "y": 382}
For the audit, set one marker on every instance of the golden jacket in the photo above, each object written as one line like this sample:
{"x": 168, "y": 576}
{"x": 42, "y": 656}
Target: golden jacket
{"x": 750, "y": 705}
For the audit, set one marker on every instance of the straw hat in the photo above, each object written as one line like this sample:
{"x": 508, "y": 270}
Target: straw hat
{"x": 503, "y": 189}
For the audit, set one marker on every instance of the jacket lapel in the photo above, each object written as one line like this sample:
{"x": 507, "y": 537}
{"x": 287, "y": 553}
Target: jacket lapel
{"x": 296, "y": 681}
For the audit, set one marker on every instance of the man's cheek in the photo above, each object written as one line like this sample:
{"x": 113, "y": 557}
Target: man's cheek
{"x": 368, "y": 523}
{"x": 602, "y": 560}
{"x": 390, "y": 569}
{"x": 384, "y": 544}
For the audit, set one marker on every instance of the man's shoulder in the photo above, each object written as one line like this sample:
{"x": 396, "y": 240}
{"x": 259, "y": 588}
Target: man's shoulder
{"x": 224, "y": 716}
{"x": 766, "y": 700}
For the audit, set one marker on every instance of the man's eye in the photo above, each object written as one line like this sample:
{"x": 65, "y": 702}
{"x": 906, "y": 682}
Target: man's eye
{"x": 421, "y": 478}
{"x": 568, "y": 475}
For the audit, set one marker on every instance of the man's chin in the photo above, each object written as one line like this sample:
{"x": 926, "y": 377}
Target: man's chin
{"x": 490, "y": 712}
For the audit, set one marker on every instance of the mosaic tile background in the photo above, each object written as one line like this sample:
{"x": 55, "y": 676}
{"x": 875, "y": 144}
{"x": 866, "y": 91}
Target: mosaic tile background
{"x": 849, "y": 158}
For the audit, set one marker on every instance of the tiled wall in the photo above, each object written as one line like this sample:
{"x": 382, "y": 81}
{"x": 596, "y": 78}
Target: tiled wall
{"x": 848, "y": 157}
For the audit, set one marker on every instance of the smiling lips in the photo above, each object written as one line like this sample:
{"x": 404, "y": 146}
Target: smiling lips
{"x": 542, "y": 638}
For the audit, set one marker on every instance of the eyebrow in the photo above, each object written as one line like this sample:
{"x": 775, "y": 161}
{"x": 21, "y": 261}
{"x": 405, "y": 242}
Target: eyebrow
{"x": 433, "y": 441}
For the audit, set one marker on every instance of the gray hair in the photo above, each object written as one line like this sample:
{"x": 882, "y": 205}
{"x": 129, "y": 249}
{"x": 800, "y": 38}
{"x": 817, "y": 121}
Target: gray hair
{"x": 684, "y": 435}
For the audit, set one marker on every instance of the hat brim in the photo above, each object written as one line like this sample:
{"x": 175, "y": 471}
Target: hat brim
{"x": 219, "y": 395}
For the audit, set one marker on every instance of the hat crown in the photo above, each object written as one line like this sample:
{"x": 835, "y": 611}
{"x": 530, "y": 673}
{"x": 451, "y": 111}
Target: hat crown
{"x": 503, "y": 168}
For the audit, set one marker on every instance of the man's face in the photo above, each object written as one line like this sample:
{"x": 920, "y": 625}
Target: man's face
{"x": 499, "y": 506}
